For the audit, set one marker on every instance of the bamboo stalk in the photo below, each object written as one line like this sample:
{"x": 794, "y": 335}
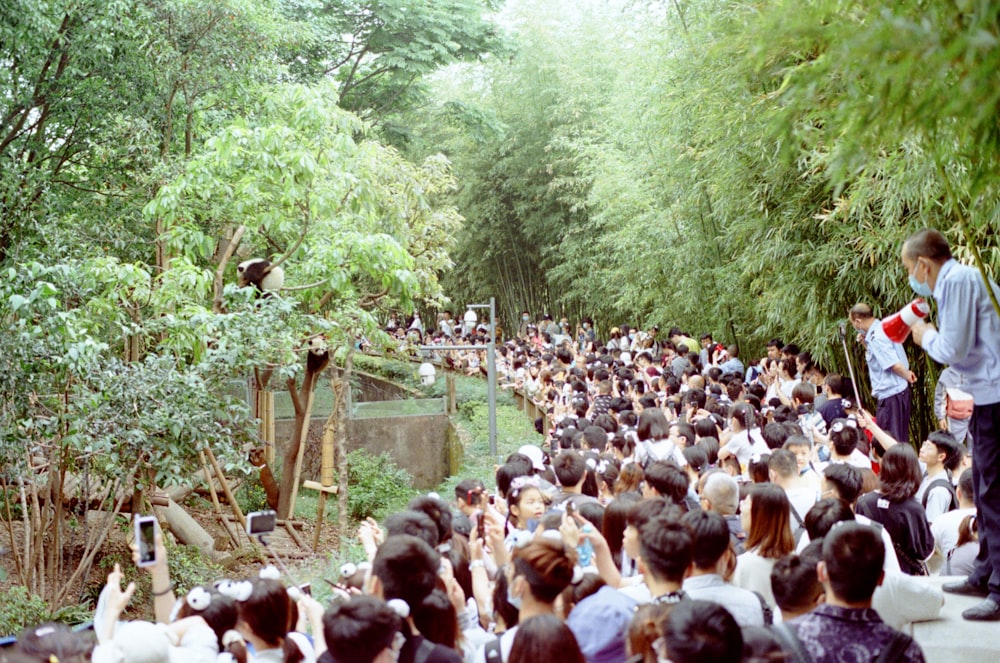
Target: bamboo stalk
{"x": 237, "y": 511}
{"x": 216, "y": 506}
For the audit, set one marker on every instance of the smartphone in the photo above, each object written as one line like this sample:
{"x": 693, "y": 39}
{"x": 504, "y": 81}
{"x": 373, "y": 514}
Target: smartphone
{"x": 145, "y": 538}
{"x": 306, "y": 589}
{"x": 261, "y": 522}
{"x": 481, "y": 526}
{"x": 570, "y": 508}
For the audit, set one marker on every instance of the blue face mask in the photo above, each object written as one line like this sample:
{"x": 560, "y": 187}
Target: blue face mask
{"x": 922, "y": 289}
{"x": 515, "y": 601}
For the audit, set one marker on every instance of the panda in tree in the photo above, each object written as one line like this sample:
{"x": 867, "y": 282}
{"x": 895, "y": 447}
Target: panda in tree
{"x": 260, "y": 273}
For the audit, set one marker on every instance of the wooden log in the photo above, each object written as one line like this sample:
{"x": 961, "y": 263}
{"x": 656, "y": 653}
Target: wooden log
{"x": 188, "y": 531}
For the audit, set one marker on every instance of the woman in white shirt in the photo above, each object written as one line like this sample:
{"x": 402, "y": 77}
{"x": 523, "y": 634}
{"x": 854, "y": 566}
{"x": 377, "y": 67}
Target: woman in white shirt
{"x": 743, "y": 438}
{"x": 765, "y": 516}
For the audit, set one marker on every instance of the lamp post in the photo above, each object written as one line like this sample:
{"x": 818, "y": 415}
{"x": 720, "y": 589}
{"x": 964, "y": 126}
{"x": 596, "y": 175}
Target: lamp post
{"x": 491, "y": 367}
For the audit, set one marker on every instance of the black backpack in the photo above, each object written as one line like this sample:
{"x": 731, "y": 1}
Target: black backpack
{"x": 942, "y": 482}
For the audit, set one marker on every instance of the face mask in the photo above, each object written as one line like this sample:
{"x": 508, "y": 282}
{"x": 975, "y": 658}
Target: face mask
{"x": 922, "y": 289}
{"x": 511, "y": 599}
{"x": 525, "y": 318}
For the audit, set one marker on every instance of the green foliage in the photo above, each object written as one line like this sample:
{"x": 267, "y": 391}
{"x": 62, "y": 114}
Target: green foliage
{"x": 190, "y": 568}
{"x": 379, "y": 50}
{"x": 377, "y": 486}
{"x": 21, "y": 609}
{"x": 67, "y": 390}
{"x": 251, "y": 496}
{"x": 744, "y": 168}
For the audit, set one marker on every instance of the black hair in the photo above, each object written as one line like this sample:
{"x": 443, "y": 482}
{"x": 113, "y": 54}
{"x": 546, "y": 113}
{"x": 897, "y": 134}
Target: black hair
{"x": 705, "y": 428}
{"x": 794, "y": 582}
{"x": 593, "y": 512}
{"x": 946, "y": 443}
{"x": 711, "y": 446}
{"x": 467, "y": 486}
{"x": 668, "y": 480}
{"x": 854, "y": 557}
{"x": 666, "y": 548}
{"x": 267, "y": 612}
{"x": 653, "y": 425}
{"x": 545, "y": 638}
{"x": 220, "y": 614}
{"x": 414, "y": 523}
{"x": 614, "y": 523}
{"x": 783, "y": 463}
{"x": 711, "y": 537}
{"x": 407, "y": 568}
{"x": 359, "y": 629}
{"x": 847, "y": 480}
{"x": 436, "y": 619}
{"x": 823, "y": 515}
{"x": 696, "y": 631}
{"x": 595, "y": 437}
{"x": 507, "y": 472}
{"x": 686, "y": 431}
{"x": 501, "y": 604}
{"x": 901, "y": 476}
{"x": 774, "y": 435}
{"x": 569, "y": 468}
{"x": 843, "y": 436}
{"x": 966, "y": 482}
{"x": 696, "y": 457}
{"x": 437, "y": 511}
{"x": 695, "y": 397}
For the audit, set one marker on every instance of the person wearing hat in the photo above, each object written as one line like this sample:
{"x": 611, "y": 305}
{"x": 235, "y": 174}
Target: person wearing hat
{"x": 941, "y": 455}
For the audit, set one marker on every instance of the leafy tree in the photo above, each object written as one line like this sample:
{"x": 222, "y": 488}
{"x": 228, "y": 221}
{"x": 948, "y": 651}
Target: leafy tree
{"x": 352, "y": 223}
{"x": 379, "y": 51}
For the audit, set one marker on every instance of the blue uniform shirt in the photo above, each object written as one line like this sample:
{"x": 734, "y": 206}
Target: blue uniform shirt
{"x": 882, "y": 354}
{"x": 969, "y": 335}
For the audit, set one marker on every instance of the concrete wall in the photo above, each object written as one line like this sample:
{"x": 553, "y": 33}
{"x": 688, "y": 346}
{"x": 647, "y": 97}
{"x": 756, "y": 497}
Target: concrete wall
{"x": 425, "y": 445}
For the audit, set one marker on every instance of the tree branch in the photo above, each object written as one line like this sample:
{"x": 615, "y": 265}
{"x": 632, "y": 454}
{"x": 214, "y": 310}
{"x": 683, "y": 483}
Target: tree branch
{"x": 294, "y": 392}
{"x": 368, "y": 300}
{"x": 234, "y": 242}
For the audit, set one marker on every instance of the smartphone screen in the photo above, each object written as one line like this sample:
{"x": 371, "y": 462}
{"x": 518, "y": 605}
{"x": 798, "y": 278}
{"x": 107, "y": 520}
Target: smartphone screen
{"x": 261, "y": 522}
{"x": 306, "y": 589}
{"x": 145, "y": 537}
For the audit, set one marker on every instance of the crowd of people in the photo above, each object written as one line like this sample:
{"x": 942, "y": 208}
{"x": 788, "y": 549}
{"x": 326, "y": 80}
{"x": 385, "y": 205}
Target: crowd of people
{"x": 682, "y": 506}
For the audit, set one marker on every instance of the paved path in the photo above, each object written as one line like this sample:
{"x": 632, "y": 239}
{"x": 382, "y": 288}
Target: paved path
{"x": 951, "y": 639}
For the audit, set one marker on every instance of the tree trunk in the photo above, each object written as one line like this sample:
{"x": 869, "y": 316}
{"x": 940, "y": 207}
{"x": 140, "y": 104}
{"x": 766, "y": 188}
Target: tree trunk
{"x": 302, "y": 404}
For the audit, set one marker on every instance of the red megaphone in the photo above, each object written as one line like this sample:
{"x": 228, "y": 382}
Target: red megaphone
{"x": 897, "y": 326}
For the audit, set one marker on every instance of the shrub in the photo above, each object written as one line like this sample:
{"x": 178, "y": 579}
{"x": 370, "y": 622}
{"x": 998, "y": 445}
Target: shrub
{"x": 376, "y": 485}
{"x": 20, "y": 609}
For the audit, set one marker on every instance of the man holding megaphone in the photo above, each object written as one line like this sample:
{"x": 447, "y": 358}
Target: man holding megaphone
{"x": 889, "y": 371}
{"x": 969, "y": 341}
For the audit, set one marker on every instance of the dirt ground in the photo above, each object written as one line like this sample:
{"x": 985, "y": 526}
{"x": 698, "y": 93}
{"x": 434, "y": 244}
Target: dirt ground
{"x": 241, "y": 561}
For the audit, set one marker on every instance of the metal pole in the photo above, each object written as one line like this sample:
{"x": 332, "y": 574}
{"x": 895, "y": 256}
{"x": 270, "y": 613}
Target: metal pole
{"x": 491, "y": 377}
{"x": 850, "y": 367}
